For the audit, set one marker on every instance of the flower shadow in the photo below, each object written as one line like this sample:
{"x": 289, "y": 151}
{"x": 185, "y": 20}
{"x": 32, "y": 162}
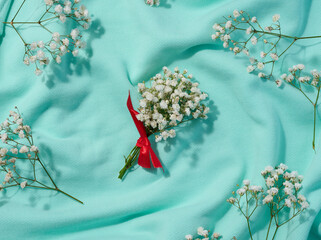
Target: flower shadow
{"x": 165, "y": 4}
{"x": 196, "y": 131}
{"x": 74, "y": 65}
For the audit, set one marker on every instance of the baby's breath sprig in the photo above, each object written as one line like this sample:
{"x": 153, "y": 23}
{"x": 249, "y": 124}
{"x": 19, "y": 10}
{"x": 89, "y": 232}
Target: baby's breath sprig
{"x": 19, "y": 157}
{"x": 203, "y": 234}
{"x": 171, "y": 100}
{"x": 300, "y": 81}
{"x": 280, "y": 194}
{"x": 59, "y": 44}
{"x": 240, "y": 22}
{"x": 152, "y": 2}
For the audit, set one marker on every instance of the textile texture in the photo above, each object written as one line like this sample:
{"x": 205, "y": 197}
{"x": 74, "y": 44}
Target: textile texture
{"x": 82, "y": 126}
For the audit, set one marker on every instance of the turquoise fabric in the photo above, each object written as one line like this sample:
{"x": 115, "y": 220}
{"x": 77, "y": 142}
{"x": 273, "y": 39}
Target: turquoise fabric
{"x": 81, "y": 124}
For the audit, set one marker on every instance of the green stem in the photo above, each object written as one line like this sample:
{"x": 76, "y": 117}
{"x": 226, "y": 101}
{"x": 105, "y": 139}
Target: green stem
{"x": 248, "y": 226}
{"x": 315, "y": 117}
{"x": 130, "y": 161}
{"x": 47, "y": 173}
{"x": 280, "y": 35}
{"x": 288, "y": 47}
{"x": 277, "y": 227}
{"x": 268, "y": 232}
{"x": 58, "y": 190}
{"x": 19, "y": 35}
{"x": 18, "y": 10}
{"x": 69, "y": 196}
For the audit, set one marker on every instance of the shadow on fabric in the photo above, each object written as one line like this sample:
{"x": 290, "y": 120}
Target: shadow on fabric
{"x": 74, "y": 65}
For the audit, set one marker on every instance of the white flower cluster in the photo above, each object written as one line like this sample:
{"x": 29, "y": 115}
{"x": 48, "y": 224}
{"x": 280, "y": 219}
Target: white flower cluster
{"x": 282, "y": 189}
{"x": 38, "y": 53}
{"x": 202, "y": 234}
{"x": 285, "y": 185}
{"x": 18, "y": 148}
{"x": 241, "y": 21}
{"x": 171, "y": 100}
{"x": 152, "y": 2}
{"x": 295, "y": 77}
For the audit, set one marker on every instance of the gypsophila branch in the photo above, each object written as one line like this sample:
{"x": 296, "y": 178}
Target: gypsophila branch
{"x": 280, "y": 194}
{"x": 59, "y": 44}
{"x": 17, "y": 151}
{"x": 240, "y": 22}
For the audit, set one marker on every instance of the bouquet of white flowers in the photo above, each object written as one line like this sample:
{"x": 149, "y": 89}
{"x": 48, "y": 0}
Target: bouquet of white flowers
{"x": 172, "y": 99}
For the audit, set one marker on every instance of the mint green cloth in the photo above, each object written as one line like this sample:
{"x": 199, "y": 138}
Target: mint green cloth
{"x": 80, "y": 122}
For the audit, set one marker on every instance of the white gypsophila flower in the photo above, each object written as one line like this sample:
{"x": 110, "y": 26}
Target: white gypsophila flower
{"x": 3, "y": 152}
{"x": 255, "y": 188}
{"x": 34, "y": 149}
{"x": 254, "y": 40}
{"x": 249, "y": 30}
{"x": 273, "y": 191}
{"x": 297, "y": 186}
{"x": 4, "y": 137}
{"x": 262, "y": 54}
{"x": 268, "y": 199}
{"x": 269, "y": 168}
{"x": 216, "y": 235}
{"x": 274, "y": 56}
{"x": 231, "y": 200}
{"x": 246, "y": 182}
{"x": 48, "y": 2}
{"x": 301, "y": 198}
{"x": 58, "y": 59}
{"x": 24, "y": 149}
{"x": 250, "y": 68}
{"x": 278, "y": 82}
{"x": 23, "y": 184}
{"x": 14, "y": 150}
{"x": 202, "y": 232}
{"x": 304, "y": 205}
{"x": 189, "y": 237}
{"x": 152, "y": 2}
{"x": 58, "y": 9}
{"x": 276, "y": 17}
{"x": 270, "y": 182}
{"x": 236, "y": 13}
{"x": 288, "y": 203}
{"x": 260, "y": 65}
{"x": 228, "y": 24}
{"x": 240, "y": 191}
